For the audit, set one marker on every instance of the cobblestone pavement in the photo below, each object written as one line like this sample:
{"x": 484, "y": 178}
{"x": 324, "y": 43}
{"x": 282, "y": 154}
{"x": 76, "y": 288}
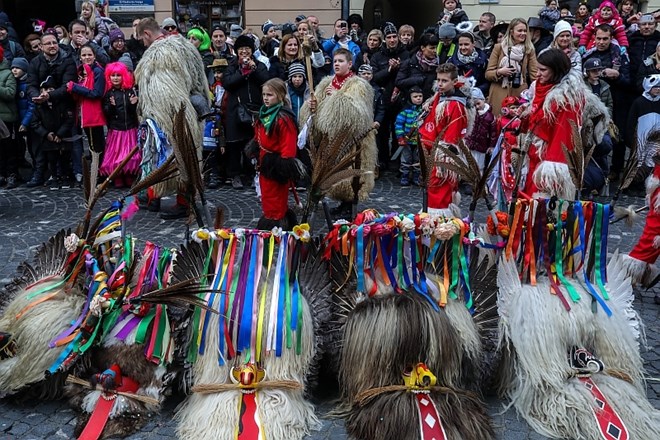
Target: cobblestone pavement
{"x": 30, "y": 216}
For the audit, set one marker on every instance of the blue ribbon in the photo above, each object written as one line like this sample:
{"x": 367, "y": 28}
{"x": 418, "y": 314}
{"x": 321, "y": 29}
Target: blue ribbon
{"x": 360, "y": 258}
{"x": 280, "y": 303}
{"x": 245, "y": 330}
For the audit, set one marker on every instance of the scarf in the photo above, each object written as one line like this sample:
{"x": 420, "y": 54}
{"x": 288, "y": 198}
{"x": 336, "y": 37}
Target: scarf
{"x": 541, "y": 91}
{"x": 338, "y": 81}
{"x": 512, "y": 58}
{"x": 268, "y": 115}
{"x": 426, "y": 64}
{"x": 467, "y": 59}
{"x": 447, "y": 15}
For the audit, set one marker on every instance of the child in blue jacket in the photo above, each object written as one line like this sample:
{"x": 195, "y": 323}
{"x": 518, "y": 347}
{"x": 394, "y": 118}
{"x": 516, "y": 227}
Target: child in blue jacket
{"x": 405, "y": 128}
{"x": 19, "y": 68}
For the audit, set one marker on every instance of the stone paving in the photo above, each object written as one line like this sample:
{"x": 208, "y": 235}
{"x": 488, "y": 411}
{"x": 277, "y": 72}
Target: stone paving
{"x": 30, "y": 216}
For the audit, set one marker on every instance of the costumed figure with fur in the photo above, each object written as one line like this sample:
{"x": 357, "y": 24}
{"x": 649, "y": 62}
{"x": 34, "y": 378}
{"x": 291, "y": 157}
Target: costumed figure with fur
{"x": 424, "y": 370}
{"x": 343, "y": 106}
{"x": 170, "y": 76}
{"x": 276, "y": 135}
{"x": 252, "y": 363}
{"x": 569, "y": 335}
{"x": 446, "y": 124}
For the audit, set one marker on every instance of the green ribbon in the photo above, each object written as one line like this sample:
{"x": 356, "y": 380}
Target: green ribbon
{"x": 597, "y": 238}
{"x": 143, "y": 327}
{"x": 559, "y": 258}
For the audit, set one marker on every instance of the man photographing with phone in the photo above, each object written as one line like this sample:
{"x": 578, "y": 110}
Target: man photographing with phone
{"x": 341, "y": 39}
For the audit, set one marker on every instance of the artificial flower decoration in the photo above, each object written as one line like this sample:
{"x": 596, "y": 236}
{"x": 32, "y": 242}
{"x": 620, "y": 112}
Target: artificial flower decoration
{"x": 301, "y": 232}
{"x": 276, "y": 231}
{"x": 71, "y": 243}
{"x": 201, "y": 235}
{"x": 445, "y": 231}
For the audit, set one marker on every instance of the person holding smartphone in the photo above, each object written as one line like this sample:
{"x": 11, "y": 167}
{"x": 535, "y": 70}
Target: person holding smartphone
{"x": 341, "y": 40}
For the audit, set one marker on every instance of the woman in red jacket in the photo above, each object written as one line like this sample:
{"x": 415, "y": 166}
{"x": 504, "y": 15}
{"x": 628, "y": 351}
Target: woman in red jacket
{"x": 89, "y": 91}
{"x": 276, "y": 134}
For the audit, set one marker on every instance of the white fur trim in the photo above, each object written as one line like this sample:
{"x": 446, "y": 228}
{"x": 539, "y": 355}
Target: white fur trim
{"x": 554, "y": 179}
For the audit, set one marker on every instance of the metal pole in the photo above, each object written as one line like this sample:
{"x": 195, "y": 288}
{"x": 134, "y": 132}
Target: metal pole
{"x": 345, "y": 9}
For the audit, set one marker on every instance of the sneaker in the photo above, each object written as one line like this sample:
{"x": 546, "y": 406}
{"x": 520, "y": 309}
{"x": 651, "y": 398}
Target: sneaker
{"x": 12, "y": 181}
{"x": 237, "y": 183}
{"x": 34, "y": 182}
{"x": 214, "y": 182}
{"x": 405, "y": 181}
{"x": 52, "y": 183}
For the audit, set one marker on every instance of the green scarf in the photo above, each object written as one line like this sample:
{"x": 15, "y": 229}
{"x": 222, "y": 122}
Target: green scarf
{"x": 267, "y": 116}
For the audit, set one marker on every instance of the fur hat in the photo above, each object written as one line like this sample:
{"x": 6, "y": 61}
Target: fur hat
{"x": 116, "y": 34}
{"x": 297, "y": 69}
{"x": 447, "y": 30}
{"x": 562, "y": 26}
{"x": 243, "y": 41}
{"x": 267, "y": 26}
{"x": 235, "y": 30}
{"x": 21, "y": 63}
{"x": 169, "y": 21}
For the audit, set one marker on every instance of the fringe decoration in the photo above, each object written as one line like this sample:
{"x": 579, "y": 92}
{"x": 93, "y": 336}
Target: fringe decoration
{"x": 139, "y": 397}
{"x": 222, "y": 387}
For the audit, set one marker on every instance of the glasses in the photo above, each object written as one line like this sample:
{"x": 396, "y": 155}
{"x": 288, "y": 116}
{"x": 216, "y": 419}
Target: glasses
{"x": 169, "y": 28}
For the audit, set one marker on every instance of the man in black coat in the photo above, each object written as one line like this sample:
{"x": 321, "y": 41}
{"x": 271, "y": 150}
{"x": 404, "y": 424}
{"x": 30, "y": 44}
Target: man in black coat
{"x": 617, "y": 74}
{"x": 58, "y": 67}
{"x": 11, "y": 47}
{"x": 540, "y": 36}
{"x": 642, "y": 44}
{"x": 386, "y": 64}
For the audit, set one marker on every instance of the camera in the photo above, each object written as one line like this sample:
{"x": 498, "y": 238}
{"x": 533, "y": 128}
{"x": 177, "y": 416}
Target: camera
{"x": 343, "y": 25}
{"x": 516, "y": 80}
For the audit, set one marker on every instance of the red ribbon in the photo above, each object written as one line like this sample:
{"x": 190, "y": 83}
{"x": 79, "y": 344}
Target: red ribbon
{"x": 99, "y": 418}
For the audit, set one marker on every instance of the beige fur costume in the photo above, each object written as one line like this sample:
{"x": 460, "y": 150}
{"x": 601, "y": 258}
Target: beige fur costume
{"x": 349, "y": 109}
{"x": 169, "y": 73}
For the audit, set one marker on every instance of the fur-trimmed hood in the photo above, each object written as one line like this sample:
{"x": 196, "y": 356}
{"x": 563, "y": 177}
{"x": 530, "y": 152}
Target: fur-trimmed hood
{"x": 570, "y": 92}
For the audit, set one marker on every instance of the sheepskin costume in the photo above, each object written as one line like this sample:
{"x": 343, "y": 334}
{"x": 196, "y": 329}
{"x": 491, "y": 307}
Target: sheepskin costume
{"x": 348, "y": 110}
{"x": 132, "y": 358}
{"x": 170, "y": 75}
{"x": 583, "y": 307}
{"x": 250, "y": 362}
{"x": 35, "y": 308}
{"x": 552, "y": 106}
{"x": 425, "y": 320}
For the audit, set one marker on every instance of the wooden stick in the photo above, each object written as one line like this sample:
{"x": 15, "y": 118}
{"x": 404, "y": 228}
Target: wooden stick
{"x": 144, "y": 399}
{"x": 212, "y": 388}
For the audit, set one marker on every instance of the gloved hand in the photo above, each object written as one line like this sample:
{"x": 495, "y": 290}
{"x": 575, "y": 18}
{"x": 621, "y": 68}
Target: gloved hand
{"x": 582, "y": 50}
{"x": 69, "y": 86}
{"x": 402, "y": 142}
{"x": 623, "y": 50}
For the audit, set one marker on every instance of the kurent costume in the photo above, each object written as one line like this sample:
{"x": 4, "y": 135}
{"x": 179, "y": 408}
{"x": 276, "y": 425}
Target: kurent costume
{"x": 415, "y": 379}
{"x": 571, "y": 361}
{"x": 447, "y": 124}
{"x": 170, "y": 75}
{"x": 349, "y": 110}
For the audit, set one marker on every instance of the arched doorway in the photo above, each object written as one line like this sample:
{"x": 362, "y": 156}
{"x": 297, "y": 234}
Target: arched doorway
{"x": 418, "y": 13}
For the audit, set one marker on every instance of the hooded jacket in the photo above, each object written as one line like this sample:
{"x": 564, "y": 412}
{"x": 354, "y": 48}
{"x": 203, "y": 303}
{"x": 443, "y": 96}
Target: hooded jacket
{"x": 89, "y": 93}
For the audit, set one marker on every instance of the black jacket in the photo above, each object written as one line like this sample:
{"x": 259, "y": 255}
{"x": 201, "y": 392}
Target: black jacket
{"x": 52, "y": 117}
{"x": 123, "y": 115}
{"x": 62, "y": 69}
{"x": 247, "y": 90}
{"x": 17, "y": 52}
{"x": 412, "y": 74}
{"x": 640, "y": 48}
{"x": 381, "y": 65}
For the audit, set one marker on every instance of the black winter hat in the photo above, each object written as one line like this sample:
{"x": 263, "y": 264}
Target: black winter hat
{"x": 244, "y": 41}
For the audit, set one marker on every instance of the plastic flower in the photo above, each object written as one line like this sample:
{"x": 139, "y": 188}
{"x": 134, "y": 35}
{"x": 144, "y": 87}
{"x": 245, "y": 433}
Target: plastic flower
{"x": 301, "y": 232}
{"x": 276, "y": 231}
{"x": 490, "y": 226}
{"x": 201, "y": 235}
{"x": 71, "y": 243}
{"x": 406, "y": 225}
{"x": 239, "y": 232}
{"x": 224, "y": 234}
{"x": 503, "y": 230}
{"x": 445, "y": 231}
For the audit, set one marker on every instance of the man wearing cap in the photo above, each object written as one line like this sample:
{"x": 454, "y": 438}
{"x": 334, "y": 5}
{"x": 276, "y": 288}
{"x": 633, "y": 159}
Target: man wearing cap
{"x": 219, "y": 45}
{"x": 642, "y": 43}
{"x": 341, "y": 39}
{"x": 12, "y": 49}
{"x": 386, "y": 63}
{"x": 482, "y": 38}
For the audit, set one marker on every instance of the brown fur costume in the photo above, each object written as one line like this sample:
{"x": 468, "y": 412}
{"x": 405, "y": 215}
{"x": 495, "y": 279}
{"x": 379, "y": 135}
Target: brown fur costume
{"x": 347, "y": 110}
{"x": 170, "y": 72}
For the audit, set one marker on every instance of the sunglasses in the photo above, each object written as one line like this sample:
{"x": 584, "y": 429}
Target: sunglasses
{"x": 169, "y": 28}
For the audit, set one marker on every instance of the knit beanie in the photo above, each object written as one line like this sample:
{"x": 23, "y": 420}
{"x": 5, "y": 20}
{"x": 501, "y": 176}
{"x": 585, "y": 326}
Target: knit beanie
{"x": 266, "y": 26}
{"x": 21, "y": 63}
{"x": 116, "y": 34}
{"x": 562, "y": 26}
{"x": 447, "y": 30}
{"x": 365, "y": 68}
{"x": 235, "y": 30}
{"x": 297, "y": 69}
